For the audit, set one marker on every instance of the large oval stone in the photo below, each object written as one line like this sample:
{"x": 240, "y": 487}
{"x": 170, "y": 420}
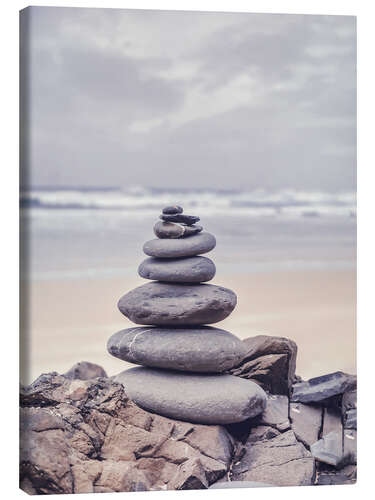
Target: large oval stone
{"x": 181, "y": 247}
{"x": 188, "y": 270}
{"x": 197, "y": 349}
{"x": 177, "y": 304}
{"x": 200, "y": 398}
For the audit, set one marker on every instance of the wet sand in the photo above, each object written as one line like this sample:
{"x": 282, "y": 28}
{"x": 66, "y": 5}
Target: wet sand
{"x": 68, "y": 321}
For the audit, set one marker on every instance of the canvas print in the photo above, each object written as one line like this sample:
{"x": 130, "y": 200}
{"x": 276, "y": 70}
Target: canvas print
{"x": 188, "y": 250}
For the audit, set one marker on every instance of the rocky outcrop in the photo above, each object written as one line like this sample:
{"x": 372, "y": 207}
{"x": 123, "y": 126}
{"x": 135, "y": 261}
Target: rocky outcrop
{"x": 82, "y": 436}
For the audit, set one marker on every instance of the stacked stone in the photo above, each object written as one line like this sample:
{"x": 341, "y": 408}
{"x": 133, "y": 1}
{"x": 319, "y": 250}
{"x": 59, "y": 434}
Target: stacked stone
{"x": 183, "y": 359}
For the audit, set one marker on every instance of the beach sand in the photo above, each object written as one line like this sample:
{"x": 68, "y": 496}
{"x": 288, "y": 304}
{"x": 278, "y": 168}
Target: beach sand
{"x": 67, "y": 321}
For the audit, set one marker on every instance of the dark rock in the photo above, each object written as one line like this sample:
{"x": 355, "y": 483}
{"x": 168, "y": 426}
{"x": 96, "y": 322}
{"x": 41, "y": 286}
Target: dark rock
{"x": 181, "y": 247}
{"x": 103, "y": 442}
{"x": 276, "y": 413}
{"x": 177, "y": 304}
{"x": 85, "y": 371}
{"x": 330, "y": 476}
{"x": 168, "y": 230}
{"x": 200, "y": 349}
{"x": 306, "y": 422}
{"x": 321, "y": 388}
{"x": 185, "y": 219}
{"x": 270, "y": 361}
{"x": 173, "y": 209}
{"x": 275, "y": 459}
{"x": 183, "y": 270}
{"x": 202, "y": 398}
{"x": 350, "y": 419}
{"x": 349, "y": 409}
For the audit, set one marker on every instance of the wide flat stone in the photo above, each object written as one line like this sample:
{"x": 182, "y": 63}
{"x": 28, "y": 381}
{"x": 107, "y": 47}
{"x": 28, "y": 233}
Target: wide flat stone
{"x": 274, "y": 458}
{"x": 182, "y": 270}
{"x": 320, "y": 388}
{"x": 177, "y": 304}
{"x": 181, "y": 247}
{"x": 200, "y": 398}
{"x": 198, "y": 349}
{"x": 306, "y": 422}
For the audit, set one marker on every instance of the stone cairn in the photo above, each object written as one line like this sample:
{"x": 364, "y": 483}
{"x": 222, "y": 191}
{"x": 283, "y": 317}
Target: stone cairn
{"x": 183, "y": 360}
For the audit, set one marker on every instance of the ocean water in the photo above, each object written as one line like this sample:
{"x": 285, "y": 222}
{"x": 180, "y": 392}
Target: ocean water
{"x": 99, "y": 233}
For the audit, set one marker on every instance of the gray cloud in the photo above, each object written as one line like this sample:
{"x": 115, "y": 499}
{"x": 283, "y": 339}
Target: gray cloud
{"x": 165, "y": 98}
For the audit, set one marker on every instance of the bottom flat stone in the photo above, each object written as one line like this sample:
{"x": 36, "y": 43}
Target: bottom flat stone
{"x": 200, "y": 398}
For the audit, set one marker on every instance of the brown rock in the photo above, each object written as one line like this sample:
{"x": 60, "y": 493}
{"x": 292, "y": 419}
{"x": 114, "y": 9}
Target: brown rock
{"x": 274, "y": 458}
{"x": 269, "y": 361}
{"x": 87, "y": 436}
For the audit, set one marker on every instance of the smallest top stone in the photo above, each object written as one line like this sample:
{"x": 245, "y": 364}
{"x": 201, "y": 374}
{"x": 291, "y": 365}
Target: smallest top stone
{"x": 172, "y": 210}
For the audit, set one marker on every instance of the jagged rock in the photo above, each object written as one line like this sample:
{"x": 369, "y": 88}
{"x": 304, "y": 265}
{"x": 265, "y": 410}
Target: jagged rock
{"x": 330, "y": 476}
{"x": 276, "y": 413}
{"x": 270, "y": 361}
{"x": 189, "y": 476}
{"x": 324, "y": 387}
{"x": 306, "y": 421}
{"x": 176, "y": 304}
{"x": 199, "y": 349}
{"x": 275, "y": 459}
{"x": 194, "y": 397}
{"x": 85, "y": 371}
{"x": 100, "y": 441}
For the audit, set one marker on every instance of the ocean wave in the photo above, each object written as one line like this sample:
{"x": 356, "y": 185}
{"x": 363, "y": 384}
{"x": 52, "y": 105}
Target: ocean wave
{"x": 141, "y": 200}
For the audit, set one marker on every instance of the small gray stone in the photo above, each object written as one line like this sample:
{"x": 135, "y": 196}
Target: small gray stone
{"x": 168, "y": 230}
{"x": 200, "y": 398}
{"x": 306, "y": 422}
{"x": 185, "y": 219}
{"x": 177, "y": 304}
{"x": 320, "y": 388}
{"x": 183, "y": 270}
{"x": 84, "y": 370}
{"x": 180, "y": 247}
{"x": 199, "y": 349}
{"x": 173, "y": 209}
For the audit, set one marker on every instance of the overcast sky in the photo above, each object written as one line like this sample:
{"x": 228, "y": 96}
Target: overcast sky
{"x": 159, "y": 98}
